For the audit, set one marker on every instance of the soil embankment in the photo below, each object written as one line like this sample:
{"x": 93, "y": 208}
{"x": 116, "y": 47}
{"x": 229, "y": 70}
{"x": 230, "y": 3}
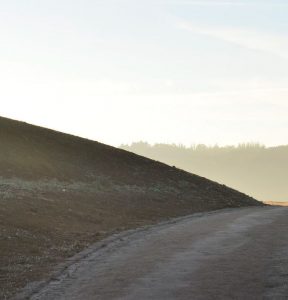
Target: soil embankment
{"x": 60, "y": 193}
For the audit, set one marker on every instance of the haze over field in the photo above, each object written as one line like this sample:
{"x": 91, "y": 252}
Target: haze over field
{"x": 208, "y": 71}
{"x": 252, "y": 168}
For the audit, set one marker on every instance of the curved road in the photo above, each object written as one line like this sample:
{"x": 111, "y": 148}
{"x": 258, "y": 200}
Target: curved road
{"x": 228, "y": 254}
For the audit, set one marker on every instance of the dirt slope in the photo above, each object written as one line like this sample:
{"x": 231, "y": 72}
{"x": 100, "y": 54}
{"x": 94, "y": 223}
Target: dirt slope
{"x": 60, "y": 193}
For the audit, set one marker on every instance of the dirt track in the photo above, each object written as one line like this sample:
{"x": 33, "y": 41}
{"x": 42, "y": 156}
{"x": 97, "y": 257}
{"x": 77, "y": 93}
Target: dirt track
{"x": 229, "y": 254}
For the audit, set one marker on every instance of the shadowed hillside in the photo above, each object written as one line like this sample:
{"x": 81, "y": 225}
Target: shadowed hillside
{"x": 60, "y": 193}
{"x": 254, "y": 169}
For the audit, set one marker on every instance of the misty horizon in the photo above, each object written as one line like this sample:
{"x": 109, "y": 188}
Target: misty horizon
{"x": 252, "y": 168}
{"x": 143, "y": 149}
{"x": 194, "y": 146}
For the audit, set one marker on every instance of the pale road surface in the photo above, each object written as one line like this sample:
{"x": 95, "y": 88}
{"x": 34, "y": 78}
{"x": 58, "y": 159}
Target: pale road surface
{"x": 228, "y": 254}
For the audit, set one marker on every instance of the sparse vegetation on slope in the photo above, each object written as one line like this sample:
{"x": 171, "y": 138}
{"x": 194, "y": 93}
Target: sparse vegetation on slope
{"x": 60, "y": 193}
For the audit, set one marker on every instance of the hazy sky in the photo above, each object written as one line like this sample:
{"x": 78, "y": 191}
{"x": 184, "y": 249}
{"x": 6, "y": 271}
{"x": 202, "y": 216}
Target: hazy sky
{"x": 179, "y": 71}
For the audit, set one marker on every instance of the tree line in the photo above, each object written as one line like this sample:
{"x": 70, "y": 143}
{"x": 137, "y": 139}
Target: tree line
{"x": 252, "y": 168}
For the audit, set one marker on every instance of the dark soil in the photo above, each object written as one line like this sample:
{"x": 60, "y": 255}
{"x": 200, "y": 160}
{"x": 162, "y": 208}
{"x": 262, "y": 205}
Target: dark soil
{"x": 60, "y": 193}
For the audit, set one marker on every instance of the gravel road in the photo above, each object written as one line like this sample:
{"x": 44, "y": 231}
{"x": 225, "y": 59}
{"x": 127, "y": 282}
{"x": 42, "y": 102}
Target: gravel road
{"x": 227, "y": 254}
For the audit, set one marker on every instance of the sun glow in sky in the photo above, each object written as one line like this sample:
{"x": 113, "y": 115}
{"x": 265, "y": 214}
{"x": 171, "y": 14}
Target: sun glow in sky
{"x": 161, "y": 71}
